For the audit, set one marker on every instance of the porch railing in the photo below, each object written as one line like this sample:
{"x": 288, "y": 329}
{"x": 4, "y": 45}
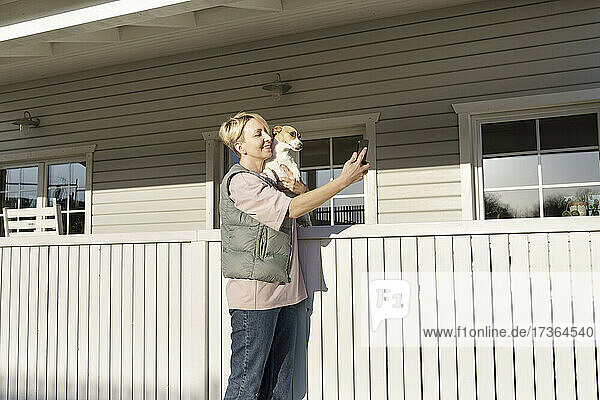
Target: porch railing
{"x": 134, "y": 315}
{"x": 341, "y": 215}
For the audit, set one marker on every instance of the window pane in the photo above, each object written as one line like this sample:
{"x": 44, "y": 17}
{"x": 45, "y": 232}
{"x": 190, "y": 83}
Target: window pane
{"x": 76, "y": 221}
{"x": 512, "y": 204}
{"x": 508, "y": 137}
{"x": 28, "y": 199}
{"x": 30, "y": 175}
{"x": 315, "y": 178}
{"x": 78, "y": 174}
{"x": 61, "y": 194}
{"x": 29, "y": 188}
{"x": 52, "y": 193}
{"x": 510, "y": 171}
{"x": 355, "y": 188}
{"x": 570, "y": 167}
{"x": 348, "y": 211}
{"x": 315, "y": 153}
{"x": 565, "y": 201}
{"x": 64, "y": 223}
{"x": 58, "y": 174}
{"x": 10, "y": 199}
{"x": 13, "y": 175}
{"x": 343, "y": 147}
{"x": 322, "y": 214}
{"x": 77, "y": 200}
{"x": 19, "y": 179}
{"x": 569, "y": 131}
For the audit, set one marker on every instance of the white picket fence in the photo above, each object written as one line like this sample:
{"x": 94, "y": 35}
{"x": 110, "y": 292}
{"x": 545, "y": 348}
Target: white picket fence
{"x": 145, "y": 316}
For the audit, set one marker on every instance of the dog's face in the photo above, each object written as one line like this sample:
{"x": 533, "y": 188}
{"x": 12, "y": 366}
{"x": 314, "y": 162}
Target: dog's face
{"x": 288, "y": 135}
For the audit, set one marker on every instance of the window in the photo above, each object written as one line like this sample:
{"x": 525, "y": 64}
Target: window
{"x": 531, "y": 157}
{"x": 65, "y": 181}
{"x": 321, "y": 160}
{"x": 66, "y": 186}
{"x": 542, "y": 167}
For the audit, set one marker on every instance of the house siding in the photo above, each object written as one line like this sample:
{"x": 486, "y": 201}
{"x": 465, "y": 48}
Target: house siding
{"x": 147, "y": 117}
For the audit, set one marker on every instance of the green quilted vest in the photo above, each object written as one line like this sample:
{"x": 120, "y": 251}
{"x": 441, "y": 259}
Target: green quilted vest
{"x": 250, "y": 249}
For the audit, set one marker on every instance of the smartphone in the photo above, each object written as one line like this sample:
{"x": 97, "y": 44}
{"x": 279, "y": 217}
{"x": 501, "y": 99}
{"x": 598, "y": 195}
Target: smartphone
{"x": 359, "y": 147}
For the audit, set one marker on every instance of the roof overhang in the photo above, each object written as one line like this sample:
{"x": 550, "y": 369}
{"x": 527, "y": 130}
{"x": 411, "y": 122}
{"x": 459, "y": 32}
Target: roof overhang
{"x": 41, "y": 39}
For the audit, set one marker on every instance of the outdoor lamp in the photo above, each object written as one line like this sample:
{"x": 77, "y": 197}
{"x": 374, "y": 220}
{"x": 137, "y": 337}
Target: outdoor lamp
{"x": 27, "y": 122}
{"x": 277, "y": 87}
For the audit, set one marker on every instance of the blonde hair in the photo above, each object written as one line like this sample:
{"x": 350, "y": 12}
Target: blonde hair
{"x": 232, "y": 130}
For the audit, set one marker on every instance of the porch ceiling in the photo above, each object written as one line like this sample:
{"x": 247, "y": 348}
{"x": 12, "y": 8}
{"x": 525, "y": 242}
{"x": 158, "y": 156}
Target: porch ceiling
{"x": 186, "y": 26}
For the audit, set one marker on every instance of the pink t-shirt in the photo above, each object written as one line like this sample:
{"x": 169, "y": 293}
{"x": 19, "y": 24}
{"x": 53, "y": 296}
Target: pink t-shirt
{"x": 269, "y": 206}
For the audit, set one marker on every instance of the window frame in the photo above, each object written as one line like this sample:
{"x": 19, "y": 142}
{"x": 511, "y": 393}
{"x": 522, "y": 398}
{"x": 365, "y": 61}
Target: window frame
{"x": 56, "y": 155}
{"x": 472, "y": 115}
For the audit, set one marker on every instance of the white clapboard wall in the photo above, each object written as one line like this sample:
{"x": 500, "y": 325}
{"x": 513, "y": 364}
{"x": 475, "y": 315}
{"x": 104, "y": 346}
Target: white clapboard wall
{"x": 120, "y": 317}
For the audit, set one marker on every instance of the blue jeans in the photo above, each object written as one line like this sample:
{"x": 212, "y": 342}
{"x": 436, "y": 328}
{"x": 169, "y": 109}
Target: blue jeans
{"x": 263, "y": 345}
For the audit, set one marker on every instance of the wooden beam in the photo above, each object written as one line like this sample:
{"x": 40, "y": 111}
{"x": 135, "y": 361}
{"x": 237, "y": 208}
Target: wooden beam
{"x": 263, "y": 5}
{"x": 223, "y": 15}
{"x": 14, "y": 60}
{"x": 59, "y": 49}
{"x": 130, "y": 32}
{"x": 32, "y": 50}
{"x": 186, "y": 20}
{"x": 106, "y": 36}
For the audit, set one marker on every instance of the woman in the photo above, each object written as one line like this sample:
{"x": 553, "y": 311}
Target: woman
{"x": 260, "y": 255}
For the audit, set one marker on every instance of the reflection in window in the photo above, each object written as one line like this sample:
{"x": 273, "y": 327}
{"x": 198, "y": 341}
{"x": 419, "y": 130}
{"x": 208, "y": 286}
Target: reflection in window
{"x": 66, "y": 186}
{"x": 322, "y": 214}
{"x": 318, "y": 166}
{"x": 354, "y": 188}
{"x": 510, "y": 171}
{"x": 512, "y": 204}
{"x": 554, "y": 159}
{"x": 573, "y": 201}
{"x": 573, "y": 167}
{"x": 347, "y": 211}
{"x": 18, "y": 189}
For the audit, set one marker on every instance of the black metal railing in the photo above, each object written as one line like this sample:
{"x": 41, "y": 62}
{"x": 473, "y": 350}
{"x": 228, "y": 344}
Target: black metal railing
{"x": 342, "y": 215}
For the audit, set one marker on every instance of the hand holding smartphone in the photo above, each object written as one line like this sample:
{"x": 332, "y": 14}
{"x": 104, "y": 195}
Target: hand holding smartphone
{"x": 361, "y": 144}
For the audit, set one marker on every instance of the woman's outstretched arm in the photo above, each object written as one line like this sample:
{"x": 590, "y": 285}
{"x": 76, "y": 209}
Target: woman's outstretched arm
{"x": 353, "y": 171}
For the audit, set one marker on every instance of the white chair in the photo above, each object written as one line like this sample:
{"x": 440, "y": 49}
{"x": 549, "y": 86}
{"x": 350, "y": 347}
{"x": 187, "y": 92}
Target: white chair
{"x": 47, "y": 221}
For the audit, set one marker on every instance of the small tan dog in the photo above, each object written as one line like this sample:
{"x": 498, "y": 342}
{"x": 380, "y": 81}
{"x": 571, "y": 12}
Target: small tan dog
{"x": 285, "y": 139}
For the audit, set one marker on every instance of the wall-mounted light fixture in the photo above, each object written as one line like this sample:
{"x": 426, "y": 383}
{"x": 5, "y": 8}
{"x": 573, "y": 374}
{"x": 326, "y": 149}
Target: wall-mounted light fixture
{"x": 277, "y": 87}
{"x": 27, "y": 122}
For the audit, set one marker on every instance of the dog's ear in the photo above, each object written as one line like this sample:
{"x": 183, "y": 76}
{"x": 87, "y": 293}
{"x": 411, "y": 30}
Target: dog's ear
{"x": 276, "y": 130}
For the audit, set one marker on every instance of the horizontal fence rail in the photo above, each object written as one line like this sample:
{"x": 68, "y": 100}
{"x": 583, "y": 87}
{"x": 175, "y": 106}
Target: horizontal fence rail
{"x": 145, "y": 315}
